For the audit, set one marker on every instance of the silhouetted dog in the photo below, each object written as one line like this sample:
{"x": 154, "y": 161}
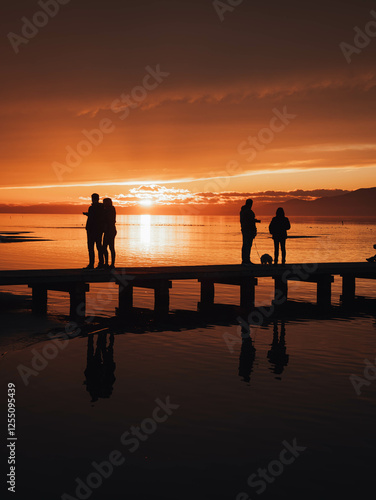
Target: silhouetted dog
{"x": 266, "y": 259}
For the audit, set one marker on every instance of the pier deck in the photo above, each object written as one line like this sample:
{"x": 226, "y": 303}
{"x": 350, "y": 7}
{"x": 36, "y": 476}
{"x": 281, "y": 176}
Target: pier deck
{"x": 77, "y": 282}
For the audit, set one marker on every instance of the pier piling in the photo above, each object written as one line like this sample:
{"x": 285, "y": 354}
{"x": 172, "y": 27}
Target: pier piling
{"x": 76, "y": 283}
{"x": 324, "y": 290}
{"x": 348, "y": 289}
{"x": 39, "y": 300}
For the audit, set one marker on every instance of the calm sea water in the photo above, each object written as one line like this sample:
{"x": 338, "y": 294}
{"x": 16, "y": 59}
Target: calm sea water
{"x": 236, "y": 401}
{"x": 145, "y": 240}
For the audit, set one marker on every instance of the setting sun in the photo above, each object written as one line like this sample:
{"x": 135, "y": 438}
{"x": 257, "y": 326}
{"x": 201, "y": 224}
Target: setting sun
{"x": 146, "y": 203}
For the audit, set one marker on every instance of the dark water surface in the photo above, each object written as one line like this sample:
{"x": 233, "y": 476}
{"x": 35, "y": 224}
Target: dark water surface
{"x": 288, "y": 412}
{"x": 236, "y": 402}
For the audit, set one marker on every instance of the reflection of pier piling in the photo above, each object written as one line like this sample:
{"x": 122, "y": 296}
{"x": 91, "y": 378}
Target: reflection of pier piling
{"x": 76, "y": 282}
{"x": 161, "y": 289}
{"x": 323, "y": 290}
{"x": 77, "y": 294}
{"x": 247, "y": 286}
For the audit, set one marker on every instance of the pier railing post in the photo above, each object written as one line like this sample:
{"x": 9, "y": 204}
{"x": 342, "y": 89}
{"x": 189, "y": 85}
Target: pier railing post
{"x": 77, "y": 296}
{"x": 280, "y": 290}
{"x": 348, "y": 288}
{"x": 247, "y": 293}
{"x": 324, "y": 290}
{"x": 39, "y": 299}
{"x": 206, "y": 294}
{"x": 162, "y": 297}
{"x": 125, "y": 299}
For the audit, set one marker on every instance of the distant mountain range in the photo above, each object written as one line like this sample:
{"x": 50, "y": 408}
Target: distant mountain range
{"x": 355, "y": 203}
{"x": 361, "y": 202}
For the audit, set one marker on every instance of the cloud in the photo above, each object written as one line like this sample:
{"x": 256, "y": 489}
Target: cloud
{"x": 163, "y": 196}
{"x": 237, "y": 93}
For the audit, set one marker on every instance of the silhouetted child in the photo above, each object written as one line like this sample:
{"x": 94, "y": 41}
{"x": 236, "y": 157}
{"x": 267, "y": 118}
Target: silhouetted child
{"x": 278, "y": 229}
{"x": 372, "y": 259}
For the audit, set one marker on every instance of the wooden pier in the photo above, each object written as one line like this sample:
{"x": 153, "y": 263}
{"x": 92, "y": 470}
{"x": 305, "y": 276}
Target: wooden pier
{"x": 76, "y": 282}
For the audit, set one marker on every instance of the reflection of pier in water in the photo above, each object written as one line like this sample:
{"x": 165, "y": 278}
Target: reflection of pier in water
{"x": 76, "y": 282}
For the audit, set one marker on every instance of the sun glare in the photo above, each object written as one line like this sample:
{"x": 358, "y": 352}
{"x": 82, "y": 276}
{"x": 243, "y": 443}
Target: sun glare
{"x": 146, "y": 203}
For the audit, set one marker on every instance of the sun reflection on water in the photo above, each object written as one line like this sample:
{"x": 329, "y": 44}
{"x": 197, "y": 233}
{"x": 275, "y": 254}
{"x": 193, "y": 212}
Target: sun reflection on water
{"x": 145, "y": 229}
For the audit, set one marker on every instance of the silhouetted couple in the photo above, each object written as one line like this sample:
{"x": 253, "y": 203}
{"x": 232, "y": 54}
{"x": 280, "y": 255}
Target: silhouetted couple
{"x": 278, "y": 228}
{"x": 101, "y": 231}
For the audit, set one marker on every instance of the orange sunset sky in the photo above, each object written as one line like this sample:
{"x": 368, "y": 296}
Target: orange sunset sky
{"x": 198, "y": 102}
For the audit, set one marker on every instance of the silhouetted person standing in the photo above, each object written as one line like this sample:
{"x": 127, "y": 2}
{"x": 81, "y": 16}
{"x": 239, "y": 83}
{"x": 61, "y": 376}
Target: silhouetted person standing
{"x": 94, "y": 230}
{"x": 278, "y": 229}
{"x": 249, "y": 231}
{"x": 109, "y": 231}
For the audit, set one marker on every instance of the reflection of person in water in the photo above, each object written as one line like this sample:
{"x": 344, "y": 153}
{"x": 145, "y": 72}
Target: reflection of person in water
{"x": 277, "y": 354}
{"x": 100, "y": 369}
{"x": 247, "y": 356}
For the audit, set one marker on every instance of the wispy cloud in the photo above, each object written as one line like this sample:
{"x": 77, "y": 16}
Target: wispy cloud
{"x": 241, "y": 92}
{"x": 186, "y": 180}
